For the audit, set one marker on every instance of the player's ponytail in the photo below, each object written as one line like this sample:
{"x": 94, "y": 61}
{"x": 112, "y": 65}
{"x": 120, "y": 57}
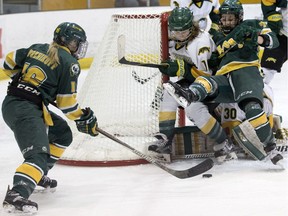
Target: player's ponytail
{"x": 53, "y": 52}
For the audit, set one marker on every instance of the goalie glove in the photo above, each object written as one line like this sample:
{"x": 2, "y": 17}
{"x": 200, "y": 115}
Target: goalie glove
{"x": 87, "y": 123}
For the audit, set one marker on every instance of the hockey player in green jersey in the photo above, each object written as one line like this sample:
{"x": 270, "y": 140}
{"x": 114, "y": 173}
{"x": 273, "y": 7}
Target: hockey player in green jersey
{"x": 238, "y": 78}
{"x": 43, "y": 74}
{"x": 276, "y": 14}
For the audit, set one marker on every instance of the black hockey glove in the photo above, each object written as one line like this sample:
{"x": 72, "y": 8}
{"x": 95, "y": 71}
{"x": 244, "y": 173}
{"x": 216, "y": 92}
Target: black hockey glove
{"x": 214, "y": 62}
{"x": 87, "y": 123}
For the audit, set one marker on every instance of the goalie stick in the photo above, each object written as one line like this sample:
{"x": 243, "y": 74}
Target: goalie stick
{"x": 122, "y": 60}
{"x": 200, "y": 168}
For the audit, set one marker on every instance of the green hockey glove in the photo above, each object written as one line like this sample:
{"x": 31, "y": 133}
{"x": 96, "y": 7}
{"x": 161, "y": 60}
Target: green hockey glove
{"x": 214, "y": 62}
{"x": 174, "y": 68}
{"x": 87, "y": 123}
{"x": 214, "y": 16}
{"x": 177, "y": 67}
{"x": 275, "y": 22}
{"x": 246, "y": 33}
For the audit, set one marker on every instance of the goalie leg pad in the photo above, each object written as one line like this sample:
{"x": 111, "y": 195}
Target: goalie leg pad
{"x": 247, "y": 138}
{"x": 191, "y": 140}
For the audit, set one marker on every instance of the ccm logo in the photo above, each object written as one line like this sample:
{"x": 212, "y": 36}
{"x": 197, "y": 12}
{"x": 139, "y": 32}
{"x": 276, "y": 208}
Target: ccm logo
{"x": 28, "y": 88}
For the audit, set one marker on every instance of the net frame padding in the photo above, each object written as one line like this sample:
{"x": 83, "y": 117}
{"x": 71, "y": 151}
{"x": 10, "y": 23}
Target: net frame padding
{"x": 146, "y": 41}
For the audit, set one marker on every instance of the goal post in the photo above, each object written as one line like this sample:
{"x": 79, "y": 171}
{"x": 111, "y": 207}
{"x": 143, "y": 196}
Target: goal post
{"x": 124, "y": 98}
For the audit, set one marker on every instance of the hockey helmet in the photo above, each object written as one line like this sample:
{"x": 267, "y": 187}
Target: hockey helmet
{"x": 68, "y": 32}
{"x": 180, "y": 24}
{"x": 231, "y": 7}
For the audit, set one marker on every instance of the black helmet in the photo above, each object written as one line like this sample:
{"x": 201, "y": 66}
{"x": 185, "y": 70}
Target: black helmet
{"x": 67, "y": 32}
{"x": 232, "y": 7}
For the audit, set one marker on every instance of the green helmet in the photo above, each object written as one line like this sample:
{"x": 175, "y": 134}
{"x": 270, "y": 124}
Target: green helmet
{"x": 66, "y": 32}
{"x": 180, "y": 19}
{"x": 180, "y": 24}
{"x": 232, "y": 7}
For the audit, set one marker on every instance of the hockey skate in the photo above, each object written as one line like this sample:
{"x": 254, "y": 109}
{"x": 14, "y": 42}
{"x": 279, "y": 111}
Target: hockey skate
{"x": 183, "y": 96}
{"x": 161, "y": 148}
{"x": 225, "y": 152}
{"x": 273, "y": 154}
{"x": 46, "y": 184}
{"x": 14, "y": 203}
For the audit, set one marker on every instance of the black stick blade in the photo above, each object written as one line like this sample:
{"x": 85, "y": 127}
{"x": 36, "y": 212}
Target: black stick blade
{"x": 194, "y": 171}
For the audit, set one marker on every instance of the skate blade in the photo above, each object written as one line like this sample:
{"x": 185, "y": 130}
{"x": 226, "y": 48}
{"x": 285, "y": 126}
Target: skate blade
{"x": 226, "y": 158}
{"x": 27, "y": 210}
{"x": 171, "y": 91}
{"x": 183, "y": 102}
{"x": 44, "y": 190}
{"x": 160, "y": 157}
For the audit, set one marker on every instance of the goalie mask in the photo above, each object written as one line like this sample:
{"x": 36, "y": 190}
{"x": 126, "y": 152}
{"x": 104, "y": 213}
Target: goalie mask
{"x": 73, "y": 37}
{"x": 180, "y": 24}
{"x": 231, "y": 15}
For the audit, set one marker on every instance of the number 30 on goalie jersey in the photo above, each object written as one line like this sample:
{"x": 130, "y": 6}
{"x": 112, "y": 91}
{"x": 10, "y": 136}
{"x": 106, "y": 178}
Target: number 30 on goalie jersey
{"x": 232, "y": 115}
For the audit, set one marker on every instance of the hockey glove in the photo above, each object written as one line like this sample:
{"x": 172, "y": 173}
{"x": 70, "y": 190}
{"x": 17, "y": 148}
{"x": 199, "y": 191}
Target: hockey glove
{"x": 178, "y": 68}
{"x": 214, "y": 62}
{"x": 174, "y": 68}
{"x": 214, "y": 16}
{"x": 246, "y": 32}
{"x": 275, "y": 22}
{"x": 87, "y": 123}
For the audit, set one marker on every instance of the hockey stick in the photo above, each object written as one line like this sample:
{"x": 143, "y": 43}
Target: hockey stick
{"x": 193, "y": 156}
{"x": 200, "y": 168}
{"x": 122, "y": 60}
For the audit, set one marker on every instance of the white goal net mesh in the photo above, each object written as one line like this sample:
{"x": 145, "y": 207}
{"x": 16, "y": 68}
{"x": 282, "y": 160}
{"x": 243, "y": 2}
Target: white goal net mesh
{"x": 124, "y": 98}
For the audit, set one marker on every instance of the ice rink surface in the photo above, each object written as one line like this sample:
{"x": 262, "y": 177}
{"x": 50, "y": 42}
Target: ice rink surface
{"x": 238, "y": 188}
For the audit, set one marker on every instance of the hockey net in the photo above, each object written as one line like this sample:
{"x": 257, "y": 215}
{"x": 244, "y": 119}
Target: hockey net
{"x": 125, "y": 98}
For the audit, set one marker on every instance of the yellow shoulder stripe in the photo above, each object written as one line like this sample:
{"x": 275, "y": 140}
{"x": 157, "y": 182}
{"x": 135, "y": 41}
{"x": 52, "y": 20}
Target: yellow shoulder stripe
{"x": 268, "y": 2}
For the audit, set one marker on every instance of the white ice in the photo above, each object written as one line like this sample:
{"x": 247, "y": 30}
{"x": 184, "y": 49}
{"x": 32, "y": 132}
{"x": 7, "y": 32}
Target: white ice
{"x": 237, "y": 188}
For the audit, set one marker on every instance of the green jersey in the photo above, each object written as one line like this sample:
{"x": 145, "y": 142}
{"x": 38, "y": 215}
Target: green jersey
{"x": 239, "y": 49}
{"x": 56, "y": 81}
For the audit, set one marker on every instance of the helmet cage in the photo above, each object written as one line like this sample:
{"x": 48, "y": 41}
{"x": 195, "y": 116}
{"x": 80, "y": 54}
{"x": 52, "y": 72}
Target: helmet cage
{"x": 81, "y": 51}
{"x": 181, "y": 37}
